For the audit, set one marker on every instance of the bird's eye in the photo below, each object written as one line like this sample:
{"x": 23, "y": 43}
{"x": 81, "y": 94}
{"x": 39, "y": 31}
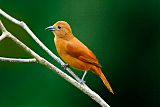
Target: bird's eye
{"x": 59, "y": 27}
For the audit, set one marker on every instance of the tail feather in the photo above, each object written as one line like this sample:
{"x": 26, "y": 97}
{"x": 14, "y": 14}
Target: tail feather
{"x": 106, "y": 83}
{"x": 103, "y": 78}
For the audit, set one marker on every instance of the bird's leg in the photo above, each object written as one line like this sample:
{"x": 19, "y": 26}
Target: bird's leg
{"x": 82, "y": 79}
{"x": 65, "y": 66}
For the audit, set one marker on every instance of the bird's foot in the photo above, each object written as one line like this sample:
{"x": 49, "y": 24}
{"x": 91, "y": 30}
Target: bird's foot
{"x": 82, "y": 81}
{"x": 65, "y": 66}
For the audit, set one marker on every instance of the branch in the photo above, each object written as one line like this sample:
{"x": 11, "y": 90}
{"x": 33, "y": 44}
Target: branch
{"x": 84, "y": 88}
{"x": 3, "y": 59}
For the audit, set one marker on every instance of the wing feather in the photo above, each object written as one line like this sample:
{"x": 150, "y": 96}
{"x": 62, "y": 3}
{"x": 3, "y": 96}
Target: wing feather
{"x": 78, "y": 50}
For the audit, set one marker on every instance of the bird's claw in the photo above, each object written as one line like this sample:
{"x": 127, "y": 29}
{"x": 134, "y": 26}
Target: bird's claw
{"x": 65, "y": 66}
{"x": 82, "y": 81}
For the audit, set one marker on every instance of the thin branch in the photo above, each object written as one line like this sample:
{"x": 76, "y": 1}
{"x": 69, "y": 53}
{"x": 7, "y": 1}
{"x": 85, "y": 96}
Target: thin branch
{"x": 26, "y": 28}
{"x": 8, "y": 17}
{"x": 84, "y": 88}
{"x": 3, "y": 29}
{"x": 18, "y": 60}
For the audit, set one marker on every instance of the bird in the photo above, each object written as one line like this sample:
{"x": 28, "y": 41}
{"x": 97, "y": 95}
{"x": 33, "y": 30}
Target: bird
{"x": 75, "y": 53}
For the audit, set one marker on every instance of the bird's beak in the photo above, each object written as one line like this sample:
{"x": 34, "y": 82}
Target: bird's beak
{"x": 51, "y": 28}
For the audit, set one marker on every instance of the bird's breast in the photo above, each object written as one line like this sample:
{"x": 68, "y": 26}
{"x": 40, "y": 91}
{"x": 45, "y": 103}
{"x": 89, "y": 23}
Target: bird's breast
{"x": 60, "y": 45}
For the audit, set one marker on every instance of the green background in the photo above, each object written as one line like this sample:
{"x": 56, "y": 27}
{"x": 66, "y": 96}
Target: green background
{"x": 124, "y": 34}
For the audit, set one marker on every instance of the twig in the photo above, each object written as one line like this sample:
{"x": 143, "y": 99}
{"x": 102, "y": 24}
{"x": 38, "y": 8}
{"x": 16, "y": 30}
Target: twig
{"x": 3, "y": 59}
{"x": 41, "y": 60}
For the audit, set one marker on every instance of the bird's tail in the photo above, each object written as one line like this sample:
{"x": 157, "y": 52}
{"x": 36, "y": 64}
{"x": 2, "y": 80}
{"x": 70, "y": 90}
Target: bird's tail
{"x": 105, "y": 81}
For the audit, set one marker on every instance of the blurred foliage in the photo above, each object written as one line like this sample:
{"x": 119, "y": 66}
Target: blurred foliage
{"x": 123, "y": 34}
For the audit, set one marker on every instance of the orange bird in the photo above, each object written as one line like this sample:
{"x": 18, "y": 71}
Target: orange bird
{"x": 74, "y": 52}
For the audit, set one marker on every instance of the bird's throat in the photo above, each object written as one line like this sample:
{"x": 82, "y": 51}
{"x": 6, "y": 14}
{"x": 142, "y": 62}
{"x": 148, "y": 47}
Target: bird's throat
{"x": 64, "y": 36}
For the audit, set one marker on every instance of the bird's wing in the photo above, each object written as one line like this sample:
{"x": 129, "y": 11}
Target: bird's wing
{"x": 78, "y": 50}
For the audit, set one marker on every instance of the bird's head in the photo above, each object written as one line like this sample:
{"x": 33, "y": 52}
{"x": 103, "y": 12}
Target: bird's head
{"x": 60, "y": 29}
